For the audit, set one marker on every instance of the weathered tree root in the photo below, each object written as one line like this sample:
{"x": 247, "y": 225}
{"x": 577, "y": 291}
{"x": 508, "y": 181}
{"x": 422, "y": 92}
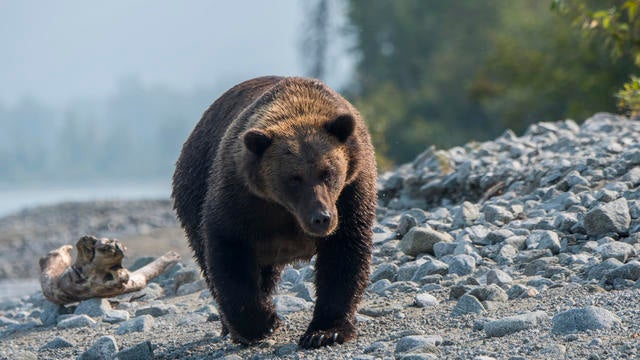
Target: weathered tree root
{"x": 97, "y": 271}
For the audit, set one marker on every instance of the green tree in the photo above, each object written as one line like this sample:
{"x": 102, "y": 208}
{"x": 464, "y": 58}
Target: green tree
{"x": 616, "y": 22}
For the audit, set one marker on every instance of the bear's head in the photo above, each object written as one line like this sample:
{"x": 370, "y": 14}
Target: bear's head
{"x": 304, "y": 167}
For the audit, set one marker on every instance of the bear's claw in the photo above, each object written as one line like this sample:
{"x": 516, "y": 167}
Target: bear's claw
{"x": 317, "y": 339}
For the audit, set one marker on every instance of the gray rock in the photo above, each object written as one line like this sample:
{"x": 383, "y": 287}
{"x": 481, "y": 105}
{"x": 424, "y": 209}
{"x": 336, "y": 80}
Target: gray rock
{"x": 377, "y": 346}
{"x": 512, "y": 324}
{"x": 8, "y": 304}
{"x": 547, "y": 240}
{"x": 610, "y": 217}
{"x": 425, "y": 300}
{"x": 600, "y": 270}
{"x": 103, "y": 349}
{"x": 384, "y": 271}
{"x": 93, "y": 307}
{"x": 462, "y": 265}
{"x": 498, "y": 236}
{"x": 582, "y": 319}
{"x": 304, "y": 291}
{"x": 379, "y": 286}
{"x": 286, "y": 304}
{"x": 465, "y": 215}
{"x": 402, "y": 287}
{"x": 138, "y": 324}
{"x": 617, "y": 250}
{"x": 506, "y": 254}
{"x": 418, "y": 356}
{"x": 418, "y": 343}
{"x": 115, "y": 316}
{"x": 141, "y": 351}
{"x": 408, "y": 269}
{"x": 291, "y": 275}
{"x": 4, "y": 321}
{"x": 489, "y": 293}
{"x": 431, "y": 267}
{"x": 57, "y": 343}
{"x": 191, "y": 287}
{"x": 50, "y": 313}
{"x": 443, "y": 248}
{"x": 499, "y": 277}
{"x": 76, "y": 321}
{"x": 420, "y": 240}
{"x": 286, "y": 349}
{"x": 185, "y": 276}
{"x": 497, "y": 215}
{"x": 157, "y": 310}
{"x": 377, "y": 311}
{"x": 628, "y": 271}
{"x": 467, "y": 304}
{"x": 519, "y": 291}
{"x": 553, "y": 351}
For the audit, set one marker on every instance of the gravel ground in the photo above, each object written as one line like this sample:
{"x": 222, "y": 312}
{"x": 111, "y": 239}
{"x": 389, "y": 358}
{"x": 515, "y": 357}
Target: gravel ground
{"x": 525, "y": 247}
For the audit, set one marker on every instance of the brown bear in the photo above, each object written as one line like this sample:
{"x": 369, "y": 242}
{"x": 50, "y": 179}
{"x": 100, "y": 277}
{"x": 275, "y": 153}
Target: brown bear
{"x": 277, "y": 170}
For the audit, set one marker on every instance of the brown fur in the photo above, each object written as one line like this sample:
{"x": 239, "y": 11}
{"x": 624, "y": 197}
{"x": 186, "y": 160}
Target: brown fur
{"x": 277, "y": 170}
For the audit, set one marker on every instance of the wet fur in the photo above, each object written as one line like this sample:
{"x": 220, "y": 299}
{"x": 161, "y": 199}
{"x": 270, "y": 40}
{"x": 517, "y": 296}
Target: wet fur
{"x": 242, "y": 236}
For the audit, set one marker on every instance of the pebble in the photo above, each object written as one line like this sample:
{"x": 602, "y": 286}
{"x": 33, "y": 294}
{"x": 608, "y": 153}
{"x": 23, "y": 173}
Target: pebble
{"x": 617, "y": 249}
{"x": 583, "y": 319}
{"x": 286, "y": 304}
{"x": 93, "y": 307}
{"x": 467, "y": 304}
{"x": 191, "y": 287}
{"x": 462, "y": 264}
{"x": 418, "y": 343}
{"x": 141, "y": 351}
{"x": 76, "y": 321}
{"x": 57, "y": 343}
{"x": 420, "y": 240}
{"x": 607, "y": 218}
{"x": 157, "y": 310}
{"x": 50, "y": 313}
{"x": 286, "y": 349}
{"x": 104, "y": 348}
{"x": 115, "y": 316}
{"x": 511, "y": 324}
{"x": 499, "y": 277}
{"x": 465, "y": 215}
{"x": 425, "y": 300}
{"x": 141, "y": 323}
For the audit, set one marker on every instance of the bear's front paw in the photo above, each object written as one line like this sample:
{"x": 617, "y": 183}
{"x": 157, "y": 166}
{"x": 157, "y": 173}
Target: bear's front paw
{"x": 254, "y": 329}
{"x": 314, "y": 339}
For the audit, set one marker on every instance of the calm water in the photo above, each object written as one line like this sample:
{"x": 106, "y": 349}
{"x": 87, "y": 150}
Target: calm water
{"x": 16, "y": 199}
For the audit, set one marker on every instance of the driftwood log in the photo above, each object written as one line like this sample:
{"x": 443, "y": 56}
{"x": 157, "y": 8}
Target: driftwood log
{"x": 97, "y": 271}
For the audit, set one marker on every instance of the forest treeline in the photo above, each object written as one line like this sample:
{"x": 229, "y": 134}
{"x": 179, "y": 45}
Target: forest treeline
{"x": 433, "y": 72}
{"x": 427, "y": 72}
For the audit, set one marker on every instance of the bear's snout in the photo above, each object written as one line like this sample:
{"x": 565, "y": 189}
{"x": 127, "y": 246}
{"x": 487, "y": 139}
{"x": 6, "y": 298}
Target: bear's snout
{"x": 320, "y": 222}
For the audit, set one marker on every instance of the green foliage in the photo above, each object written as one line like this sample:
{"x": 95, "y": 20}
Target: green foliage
{"x": 433, "y": 72}
{"x": 617, "y": 24}
{"x": 629, "y": 96}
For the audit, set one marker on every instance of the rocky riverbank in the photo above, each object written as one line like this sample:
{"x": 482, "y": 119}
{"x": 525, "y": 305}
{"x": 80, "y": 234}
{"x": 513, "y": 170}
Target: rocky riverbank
{"x": 525, "y": 247}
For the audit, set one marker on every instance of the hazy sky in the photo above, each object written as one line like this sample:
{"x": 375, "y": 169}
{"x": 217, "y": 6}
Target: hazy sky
{"x": 59, "y": 51}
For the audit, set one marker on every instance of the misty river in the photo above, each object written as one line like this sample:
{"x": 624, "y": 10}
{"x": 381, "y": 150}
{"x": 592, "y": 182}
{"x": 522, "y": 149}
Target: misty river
{"x": 14, "y": 199}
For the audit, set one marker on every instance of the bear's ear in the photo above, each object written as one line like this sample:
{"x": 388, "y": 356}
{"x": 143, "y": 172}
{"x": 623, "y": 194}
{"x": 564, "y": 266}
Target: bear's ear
{"x": 341, "y": 127}
{"x": 257, "y": 141}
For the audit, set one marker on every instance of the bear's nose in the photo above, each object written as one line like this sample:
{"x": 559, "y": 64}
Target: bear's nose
{"x": 320, "y": 218}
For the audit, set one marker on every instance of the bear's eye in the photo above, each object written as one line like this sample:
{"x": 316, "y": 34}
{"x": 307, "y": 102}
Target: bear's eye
{"x": 325, "y": 176}
{"x": 295, "y": 180}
